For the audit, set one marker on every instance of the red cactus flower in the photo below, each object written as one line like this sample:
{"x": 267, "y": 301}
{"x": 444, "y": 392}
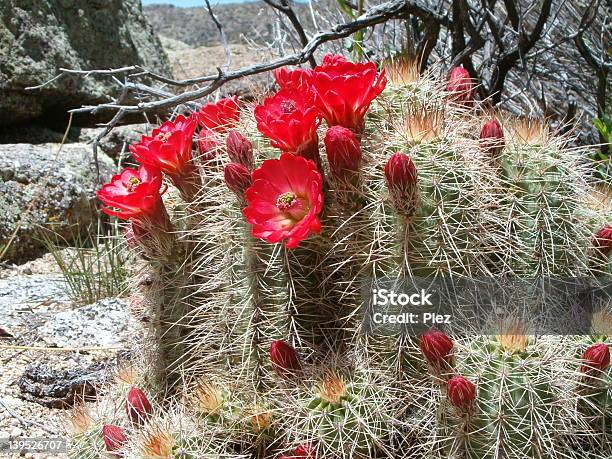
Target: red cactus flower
{"x": 114, "y": 438}
{"x": 603, "y": 240}
{"x": 461, "y": 391}
{"x": 290, "y": 120}
{"x": 284, "y": 358}
{"x": 238, "y": 178}
{"x": 220, "y": 116}
{"x": 344, "y": 90}
{"x": 402, "y": 181}
{"x": 285, "y": 200}
{"x": 138, "y": 407}
{"x": 436, "y": 346}
{"x": 135, "y": 193}
{"x": 168, "y": 148}
{"x": 296, "y": 79}
{"x": 461, "y": 86}
{"x": 596, "y": 356}
{"x": 240, "y": 149}
{"x": 492, "y": 137}
{"x": 343, "y": 151}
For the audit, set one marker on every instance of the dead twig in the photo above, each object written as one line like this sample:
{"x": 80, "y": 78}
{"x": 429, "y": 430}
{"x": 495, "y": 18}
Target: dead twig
{"x": 391, "y": 10}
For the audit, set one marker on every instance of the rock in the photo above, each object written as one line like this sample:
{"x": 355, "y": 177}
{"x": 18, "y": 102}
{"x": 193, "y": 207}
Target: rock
{"x": 117, "y": 140}
{"x": 20, "y": 294}
{"x": 33, "y": 133}
{"x": 60, "y": 388}
{"x": 105, "y": 323}
{"x": 170, "y": 44}
{"x": 40, "y": 188}
{"x": 37, "y": 37}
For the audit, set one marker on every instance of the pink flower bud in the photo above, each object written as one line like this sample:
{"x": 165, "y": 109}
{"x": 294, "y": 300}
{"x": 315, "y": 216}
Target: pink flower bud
{"x": 240, "y": 149}
{"x": 401, "y": 175}
{"x": 138, "y": 407}
{"x": 114, "y": 437}
{"x": 461, "y": 86}
{"x": 461, "y": 391}
{"x": 596, "y": 356}
{"x": 492, "y": 137}
{"x": 238, "y": 178}
{"x": 603, "y": 241}
{"x": 284, "y": 358}
{"x": 436, "y": 346}
{"x": 343, "y": 151}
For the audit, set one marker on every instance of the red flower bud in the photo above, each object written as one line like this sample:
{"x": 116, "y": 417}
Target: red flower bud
{"x": 436, "y": 347}
{"x": 114, "y": 437}
{"x": 343, "y": 151}
{"x": 240, "y": 149}
{"x": 138, "y": 407}
{"x": 306, "y": 451}
{"x": 461, "y": 86}
{"x": 492, "y": 137}
{"x": 401, "y": 175}
{"x": 284, "y": 358}
{"x": 238, "y": 178}
{"x": 208, "y": 144}
{"x": 603, "y": 241}
{"x": 461, "y": 391}
{"x": 596, "y": 356}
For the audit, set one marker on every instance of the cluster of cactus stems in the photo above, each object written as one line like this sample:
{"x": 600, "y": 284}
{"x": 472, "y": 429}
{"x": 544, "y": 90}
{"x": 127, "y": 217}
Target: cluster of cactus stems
{"x": 277, "y": 213}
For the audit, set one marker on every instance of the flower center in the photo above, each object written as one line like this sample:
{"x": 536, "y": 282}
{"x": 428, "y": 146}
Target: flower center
{"x": 133, "y": 182}
{"x": 332, "y": 389}
{"x": 288, "y": 106}
{"x": 164, "y": 136}
{"x": 286, "y": 200}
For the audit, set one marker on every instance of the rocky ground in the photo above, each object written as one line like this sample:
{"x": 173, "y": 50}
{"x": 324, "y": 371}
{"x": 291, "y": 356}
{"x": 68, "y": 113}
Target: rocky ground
{"x": 50, "y": 348}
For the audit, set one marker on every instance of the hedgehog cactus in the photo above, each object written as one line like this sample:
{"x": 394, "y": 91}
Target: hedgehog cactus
{"x": 255, "y": 259}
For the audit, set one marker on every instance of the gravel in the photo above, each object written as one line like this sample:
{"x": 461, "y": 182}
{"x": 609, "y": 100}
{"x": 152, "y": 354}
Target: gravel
{"x": 37, "y": 313}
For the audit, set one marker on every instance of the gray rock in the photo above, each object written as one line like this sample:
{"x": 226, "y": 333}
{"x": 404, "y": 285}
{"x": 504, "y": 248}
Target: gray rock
{"x": 37, "y": 37}
{"x": 116, "y": 141}
{"x": 105, "y": 323}
{"x": 41, "y": 189}
{"x": 33, "y": 133}
{"x": 20, "y": 293}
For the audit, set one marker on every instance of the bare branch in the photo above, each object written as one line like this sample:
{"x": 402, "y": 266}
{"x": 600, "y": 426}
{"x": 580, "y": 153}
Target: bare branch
{"x": 524, "y": 45}
{"x": 376, "y": 15}
{"x": 285, "y": 7}
{"x": 219, "y": 26}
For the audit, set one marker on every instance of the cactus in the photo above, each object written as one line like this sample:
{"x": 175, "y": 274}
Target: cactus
{"x": 277, "y": 221}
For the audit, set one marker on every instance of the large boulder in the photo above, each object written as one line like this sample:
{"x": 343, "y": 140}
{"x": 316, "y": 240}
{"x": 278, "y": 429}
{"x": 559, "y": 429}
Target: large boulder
{"x": 42, "y": 190}
{"x": 38, "y": 37}
{"x": 117, "y": 141}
